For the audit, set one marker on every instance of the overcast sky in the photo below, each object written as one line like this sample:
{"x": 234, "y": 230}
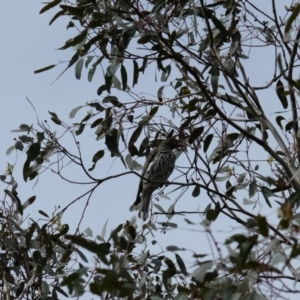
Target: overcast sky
{"x": 28, "y": 43}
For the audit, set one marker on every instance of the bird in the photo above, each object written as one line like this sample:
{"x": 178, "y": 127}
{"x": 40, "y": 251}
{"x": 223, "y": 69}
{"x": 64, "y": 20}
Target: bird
{"x": 158, "y": 167}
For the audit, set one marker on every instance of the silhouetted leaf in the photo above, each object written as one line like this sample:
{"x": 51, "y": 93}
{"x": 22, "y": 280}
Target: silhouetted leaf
{"x": 45, "y": 68}
{"x": 160, "y": 93}
{"x": 135, "y": 73}
{"x": 124, "y": 77}
{"x": 196, "y": 191}
{"x": 278, "y": 121}
{"x": 181, "y": 264}
{"x": 49, "y": 5}
{"x": 280, "y": 94}
{"x": 207, "y": 142}
{"x": 112, "y": 143}
{"x": 55, "y": 118}
{"x": 19, "y": 145}
{"x": 267, "y": 193}
{"x": 292, "y": 18}
{"x": 33, "y": 151}
{"x": 262, "y": 225}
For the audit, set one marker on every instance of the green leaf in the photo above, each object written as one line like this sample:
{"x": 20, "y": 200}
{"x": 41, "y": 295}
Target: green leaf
{"x": 215, "y": 73}
{"x": 74, "y": 111}
{"x": 196, "y": 191}
{"x": 262, "y": 225}
{"x": 25, "y": 139}
{"x": 252, "y": 188}
{"x": 219, "y": 25}
{"x": 14, "y": 197}
{"x": 78, "y": 68}
{"x": 267, "y": 193}
{"x": 43, "y": 214}
{"x": 108, "y": 82}
{"x": 229, "y": 66}
{"x": 113, "y": 100}
{"x": 153, "y": 111}
{"x": 57, "y": 15}
{"x": 195, "y": 134}
{"x": 88, "y": 60}
{"x": 19, "y": 145}
{"x": 294, "y": 199}
{"x": 129, "y": 161}
{"x": 55, "y": 118}
{"x": 280, "y": 94}
{"x": 22, "y": 128}
{"x": 49, "y": 5}
{"x": 292, "y": 17}
{"x": 80, "y": 129}
{"x": 91, "y": 73}
{"x": 44, "y": 69}
{"x": 159, "y": 93}
{"x": 97, "y": 106}
{"x": 135, "y": 73}
{"x": 28, "y": 202}
{"x": 166, "y": 73}
{"x": 33, "y": 151}
{"x": 10, "y": 149}
{"x": 157, "y": 265}
{"x": 181, "y": 264}
{"x": 98, "y": 155}
{"x": 207, "y": 142}
{"x": 111, "y": 141}
{"x": 102, "y": 250}
{"x": 278, "y": 121}
{"x": 124, "y": 77}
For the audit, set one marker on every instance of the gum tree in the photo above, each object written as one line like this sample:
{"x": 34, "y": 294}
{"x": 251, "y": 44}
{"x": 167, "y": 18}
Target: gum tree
{"x": 226, "y": 80}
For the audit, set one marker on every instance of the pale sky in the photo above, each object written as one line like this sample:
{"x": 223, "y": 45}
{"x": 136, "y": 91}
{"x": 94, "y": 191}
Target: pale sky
{"x": 29, "y": 43}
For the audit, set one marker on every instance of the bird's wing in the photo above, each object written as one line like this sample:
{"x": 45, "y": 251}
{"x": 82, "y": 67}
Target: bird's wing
{"x": 146, "y": 165}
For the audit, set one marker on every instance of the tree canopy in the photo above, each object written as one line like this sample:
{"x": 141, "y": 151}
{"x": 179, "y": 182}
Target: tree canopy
{"x": 224, "y": 78}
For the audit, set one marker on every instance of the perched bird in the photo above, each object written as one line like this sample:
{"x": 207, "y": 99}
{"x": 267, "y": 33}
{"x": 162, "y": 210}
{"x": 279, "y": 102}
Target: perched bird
{"x": 158, "y": 167}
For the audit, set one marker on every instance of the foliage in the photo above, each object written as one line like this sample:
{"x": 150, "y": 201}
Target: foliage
{"x": 207, "y": 94}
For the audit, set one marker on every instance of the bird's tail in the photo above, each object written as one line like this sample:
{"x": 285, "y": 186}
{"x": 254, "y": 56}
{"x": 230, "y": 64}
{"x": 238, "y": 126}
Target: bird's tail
{"x": 145, "y": 203}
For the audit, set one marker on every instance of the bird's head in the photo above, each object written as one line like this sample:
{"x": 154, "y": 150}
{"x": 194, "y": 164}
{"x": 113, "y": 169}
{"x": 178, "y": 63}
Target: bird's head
{"x": 171, "y": 143}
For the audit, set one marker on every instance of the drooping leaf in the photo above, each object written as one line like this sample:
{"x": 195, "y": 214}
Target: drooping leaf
{"x": 91, "y": 74}
{"x": 196, "y": 191}
{"x": 124, "y": 77}
{"x": 280, "y": 94}
{"x": 33, "y": 151}
{"x": 267, "y": 193}
{"x": 49, "y": 5}
{"x": 207, "y": 142}
{"x": 135, "y": 73}
{"x": 112, "y": 143}
{"x": 252, "y": 188}
{"x": 78, "y": 68}
{"x": 278, "y": 121}
{"x": 74, "y": 111}
{"x": 181, "y": 264}
{"x": 292, "y": 18}
{"x": 88, "y": 60}
{"x": 160, "y": 93}
{"x": 262, "y": 225}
